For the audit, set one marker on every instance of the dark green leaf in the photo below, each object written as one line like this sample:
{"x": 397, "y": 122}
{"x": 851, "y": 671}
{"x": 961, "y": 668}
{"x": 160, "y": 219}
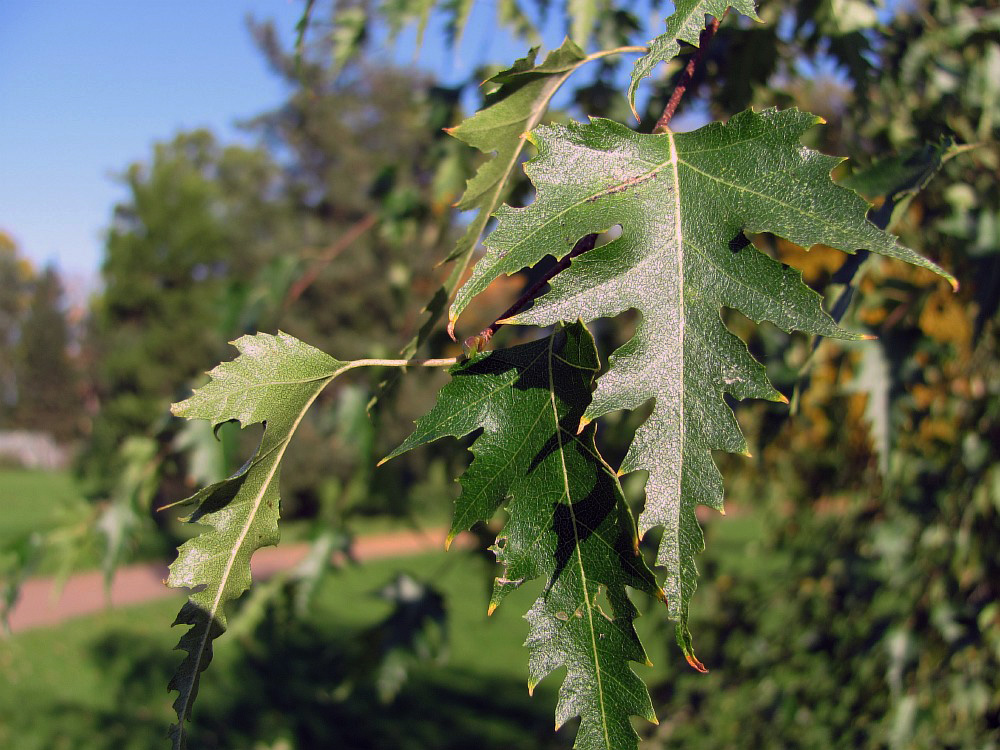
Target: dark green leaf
{"x": 568, "y": 522}
{"x": 683, "y": 202}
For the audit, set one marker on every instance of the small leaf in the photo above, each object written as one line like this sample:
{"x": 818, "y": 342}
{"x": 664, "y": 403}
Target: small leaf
{"x": 568, "y": 522}
{"x": 682, "y": 201}
{"x": 685, "y": 25}
{"x": 273, "y": 381}
{"x": 500, "y": 128}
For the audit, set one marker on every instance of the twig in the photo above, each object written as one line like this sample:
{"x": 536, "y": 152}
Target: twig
{"x": 477, "y": 342}
{"x": 687, "y": 75}
{"x": 309, "y": 277}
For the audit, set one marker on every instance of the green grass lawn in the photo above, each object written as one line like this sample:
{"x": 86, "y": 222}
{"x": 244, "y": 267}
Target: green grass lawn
{"x": 99, "y": 682}
{"x": 32, "y": 500}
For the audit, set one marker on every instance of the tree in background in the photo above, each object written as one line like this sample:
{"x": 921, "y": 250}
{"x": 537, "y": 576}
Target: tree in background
{"x": 16, "y": 276}
{"x": 195, "y": 231}
{"x": 49, "y": 395}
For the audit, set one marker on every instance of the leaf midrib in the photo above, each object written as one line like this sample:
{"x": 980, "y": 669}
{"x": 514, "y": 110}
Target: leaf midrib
{"x": 579, "y": 554}
{"x": 224, "y": 578}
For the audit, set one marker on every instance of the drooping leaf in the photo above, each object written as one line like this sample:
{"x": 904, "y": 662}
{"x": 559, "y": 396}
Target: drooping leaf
{"x": 501, "y": 128}
{"x": 685, "y": 25}
{"x": 583, "y": 14}
{"x": 906, "y": 174}
{"x": 273, "y": 381}
{"x": 683, "y": 202}
{"x": 128, "y": 506}
{"x": 568, "y": 522}
{"x": 350, "y": 29}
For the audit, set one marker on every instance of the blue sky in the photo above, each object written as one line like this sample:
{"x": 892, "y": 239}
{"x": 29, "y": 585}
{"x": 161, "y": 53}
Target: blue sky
{"x": 86, "y": 88}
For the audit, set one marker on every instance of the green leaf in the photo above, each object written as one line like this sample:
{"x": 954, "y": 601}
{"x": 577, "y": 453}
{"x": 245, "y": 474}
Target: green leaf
{"x": 501, "y": 128}
{"x": 583, "y": 15}
{"x": 127, "y": 510}
{"x": 896, "y": 179}
{"x": 568, "y": 522}
{"x": 685, "y": 25}
{"x": 906, "y": 174}
{"x": 273, "y": 381}
{"x": 683, "y": 202}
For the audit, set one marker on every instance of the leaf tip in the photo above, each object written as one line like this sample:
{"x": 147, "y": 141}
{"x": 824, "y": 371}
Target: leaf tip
{"x": 174, "y": 504}
{"x": 451, "y": 326}
{"x": 489, "y": 612}
{"x": 584, "y": 421}
{"x": 782, "y": 399}
{"x": 449, "y": 539}
{"x": 693, "y": 661}
{"x": 631, "y": 102}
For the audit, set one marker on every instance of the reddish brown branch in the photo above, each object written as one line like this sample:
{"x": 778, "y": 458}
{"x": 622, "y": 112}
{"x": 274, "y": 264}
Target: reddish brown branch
{"x": 307, "y": 279}
{"x": 477, "y": 342}
{"x": 687, "y": 76}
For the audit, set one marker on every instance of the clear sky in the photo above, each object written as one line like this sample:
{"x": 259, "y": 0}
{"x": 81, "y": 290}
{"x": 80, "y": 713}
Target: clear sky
{"x": 87, "y": 87}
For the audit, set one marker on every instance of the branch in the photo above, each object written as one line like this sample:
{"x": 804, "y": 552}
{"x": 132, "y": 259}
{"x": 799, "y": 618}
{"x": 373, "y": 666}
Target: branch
{"x": 307, "y": 279}
{"x": 687, "y": 75}
{"x": 481, "y": 339}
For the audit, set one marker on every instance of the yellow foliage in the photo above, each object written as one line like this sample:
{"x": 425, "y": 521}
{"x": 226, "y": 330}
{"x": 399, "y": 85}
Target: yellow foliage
{"x": 815, "y": 263}
{"x": 945, "y": 318}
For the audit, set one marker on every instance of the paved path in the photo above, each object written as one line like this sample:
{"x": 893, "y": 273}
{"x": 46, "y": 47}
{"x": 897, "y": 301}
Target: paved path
{"x": 41, "y": 603}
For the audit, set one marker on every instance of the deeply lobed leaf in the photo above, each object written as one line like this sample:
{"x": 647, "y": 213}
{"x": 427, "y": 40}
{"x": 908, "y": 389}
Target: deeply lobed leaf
{"x": 274, "y": 381}
{"x": 568, "y": 522}
{"x": 683, "y": 202}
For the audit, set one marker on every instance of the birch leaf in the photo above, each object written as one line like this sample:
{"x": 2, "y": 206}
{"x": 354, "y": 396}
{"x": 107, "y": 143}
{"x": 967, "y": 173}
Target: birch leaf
{"x": 683, "y": 202}
{"x": 501, "y": 127}
{"x": 568, "y": 522}
{"x": 685, "y": 25}
{"x": 273, "y": 381}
